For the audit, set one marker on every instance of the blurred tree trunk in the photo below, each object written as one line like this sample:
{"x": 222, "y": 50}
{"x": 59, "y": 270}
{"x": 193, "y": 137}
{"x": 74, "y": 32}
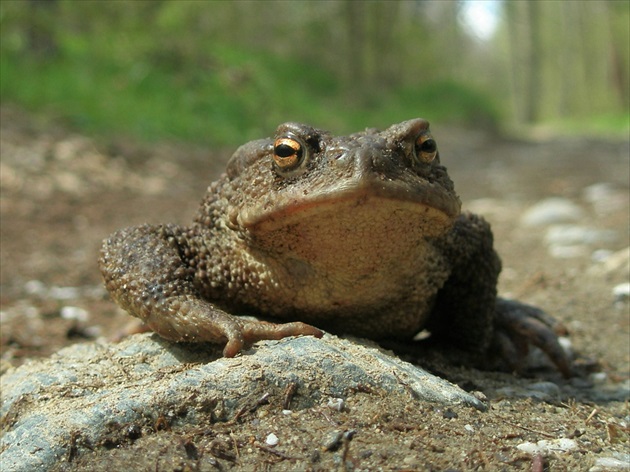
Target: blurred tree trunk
{"x": 619, "y": 18}
{"x": 354, "y": 64}
{"x": 533, "y": 65}
{"x": 386, "y": 57}
{"x": 40, "y": 29}
{"x": 567, "y": 59}
{"x": 372, "y": 58}
{"x": 524, "y": 27}
{"x": 517, "y": 29}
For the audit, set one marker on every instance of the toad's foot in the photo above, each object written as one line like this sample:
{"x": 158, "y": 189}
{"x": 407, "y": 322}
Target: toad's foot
{"x": 519, "y": 325}
{"x": 194, "y": 320}
{"x": 255, "y": 330}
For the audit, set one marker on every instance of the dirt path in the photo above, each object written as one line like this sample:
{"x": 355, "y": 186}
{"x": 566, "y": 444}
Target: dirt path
{"x": 62, "y": 193}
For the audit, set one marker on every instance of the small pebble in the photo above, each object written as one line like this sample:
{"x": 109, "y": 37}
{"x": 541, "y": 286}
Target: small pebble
{"x": 449, "y": 414}
{"x": 600, "y": 255}
{"x": 599, "y": 191}
{"x": 548, "y": 446}
{"x": 480, "y": 395}
{"x": 598, "y": 377}
{"x": 93, "y": 331}
{"x": 74, "y": 313}
{"x": 64, "y": 293}
{"x": 272, "y": 440}
{"x": 35, "y": 287}
{"x": 566, "y": 344}
{"x": 411, "y": 461}
{"x": 335, "y": 403}
{"x": 621, "y": 292}
{"x": 605, "y": 197}
{"x": 608, "y": 463}
{"x": 469, "y": 428}
{"x": 611, "y": 264}
{"x": 332, "y": 441}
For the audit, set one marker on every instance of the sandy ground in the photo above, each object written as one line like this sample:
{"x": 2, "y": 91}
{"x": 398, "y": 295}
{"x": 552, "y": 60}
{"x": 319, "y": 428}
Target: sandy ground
{"x": 62, "y": 193}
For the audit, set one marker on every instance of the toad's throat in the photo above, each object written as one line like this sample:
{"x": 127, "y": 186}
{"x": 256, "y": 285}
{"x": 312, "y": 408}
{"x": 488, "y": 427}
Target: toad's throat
{"x": 349, "y": 241}
{"x": 355, "y": 205}
{"x": 352, "y": 252}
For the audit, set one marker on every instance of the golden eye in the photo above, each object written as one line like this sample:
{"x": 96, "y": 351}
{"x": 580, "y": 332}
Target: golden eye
{"x": 425, "y": 148}
{"x": 288, "y": 153}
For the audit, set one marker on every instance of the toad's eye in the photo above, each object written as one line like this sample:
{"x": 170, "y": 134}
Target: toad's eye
{"x": 288, "y": 153}
{"x": 425, "y": 148}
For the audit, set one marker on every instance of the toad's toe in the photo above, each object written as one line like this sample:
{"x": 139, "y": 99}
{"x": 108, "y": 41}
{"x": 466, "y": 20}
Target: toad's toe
{"x": 519, "y": 325}
{"x": 258, "y": 330}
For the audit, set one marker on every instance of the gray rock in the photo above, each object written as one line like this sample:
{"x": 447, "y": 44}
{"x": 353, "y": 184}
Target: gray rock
{"x": 617, "y": 461}
{"x": 566, "y": 241}
{"x": 548, "y": 388}
{"x": 567, "y": 235}
{"x": 525, "y": 392}
{"x": 87, "y": 388}
{"x": 560, "y": 251}
{"x": 552, "y": 211}
{"x": 606, "y": 197}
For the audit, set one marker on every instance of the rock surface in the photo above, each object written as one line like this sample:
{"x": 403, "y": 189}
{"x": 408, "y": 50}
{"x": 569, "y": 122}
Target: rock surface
{"x": 87, "y": 388}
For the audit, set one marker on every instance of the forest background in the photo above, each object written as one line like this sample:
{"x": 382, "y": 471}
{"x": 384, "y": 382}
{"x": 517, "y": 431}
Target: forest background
{"x": 222, "y": 72}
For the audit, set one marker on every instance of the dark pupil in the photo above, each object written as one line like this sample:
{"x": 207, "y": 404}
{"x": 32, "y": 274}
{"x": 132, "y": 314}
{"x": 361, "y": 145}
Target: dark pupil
{"x": 428, "y": 146}
{"x": 284, "y": 150}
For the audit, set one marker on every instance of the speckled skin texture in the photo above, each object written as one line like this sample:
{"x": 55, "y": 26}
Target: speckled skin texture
{"x": 359, "y": 234}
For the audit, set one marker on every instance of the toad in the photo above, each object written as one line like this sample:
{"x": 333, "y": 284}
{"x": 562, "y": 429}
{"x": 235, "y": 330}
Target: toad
{"x": 360, "y": 234}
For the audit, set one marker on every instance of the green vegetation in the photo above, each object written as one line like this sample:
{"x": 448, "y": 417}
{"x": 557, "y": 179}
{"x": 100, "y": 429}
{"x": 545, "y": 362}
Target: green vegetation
{"x": 223, "y": 72}
{"x": 246, "y": 98}
{"x": 612, "y": 125}
{"x": 150, "y": 101}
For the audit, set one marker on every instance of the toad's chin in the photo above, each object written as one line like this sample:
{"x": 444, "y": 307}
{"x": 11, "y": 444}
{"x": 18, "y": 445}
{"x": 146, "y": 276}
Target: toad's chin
{"x": 362, "y": 204}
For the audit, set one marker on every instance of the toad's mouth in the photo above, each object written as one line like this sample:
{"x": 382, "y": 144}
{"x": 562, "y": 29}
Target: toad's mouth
{"x": 364, "y": 204}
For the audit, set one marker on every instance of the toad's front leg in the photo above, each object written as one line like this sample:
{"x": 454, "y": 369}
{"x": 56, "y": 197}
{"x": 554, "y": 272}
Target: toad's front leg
{"x": 145, "y": 272}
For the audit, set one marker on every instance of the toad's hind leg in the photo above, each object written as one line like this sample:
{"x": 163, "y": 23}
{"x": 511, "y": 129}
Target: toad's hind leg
{"x": 468, "y": 313}
{"x": 145, "y": 272}
{"x": 518, "y": 325}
